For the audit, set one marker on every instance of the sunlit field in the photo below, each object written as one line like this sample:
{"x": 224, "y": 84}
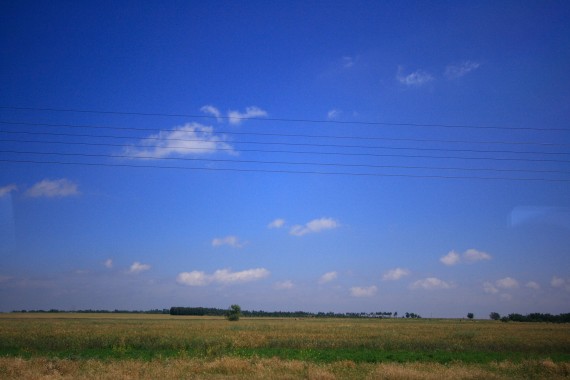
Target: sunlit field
{"x": 158, "y": 346}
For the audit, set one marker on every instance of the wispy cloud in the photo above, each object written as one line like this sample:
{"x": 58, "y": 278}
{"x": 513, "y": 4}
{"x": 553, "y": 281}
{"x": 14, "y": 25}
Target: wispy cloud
{"x": 56, "y": 188}
{"x": 458, "y": 70}
{"x": 358, "y": 291}
{"x": 189, "y": 139}
{"x": 137, "y": 267}
{"x": 395, "y": 274}
{"x": 211, "y": 110}
{"x": 232, "y": 241}
{"x": 277, "y": 223}
{"x": 333, "y": 114}
{"x": 431, "y": 283}
{"x": 283, "y": 285}
{"x": 236, "y": 117}
{"x": 348, "y": 61}
{"x": 316, "y": 225}
{"x": 108, "y": 263}
{"x": 470, "y": 256}
{"x": 328, "y": 277}
{"x": 533, "y": 285}
{"x": 221, "y": 276}
{"x": 558, "y": 282}
{"x": 4, "y": 190}
{"x": 488, "y": 287}
{"x": 416, "y": 78}
{"x": 507, "y": 283}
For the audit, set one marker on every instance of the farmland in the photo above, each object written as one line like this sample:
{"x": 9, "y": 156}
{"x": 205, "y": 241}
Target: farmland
{"x": 70, "y": 345}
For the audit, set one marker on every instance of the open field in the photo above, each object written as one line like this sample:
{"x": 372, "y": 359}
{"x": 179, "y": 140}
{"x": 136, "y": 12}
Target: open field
{"x": 151, "y": 346}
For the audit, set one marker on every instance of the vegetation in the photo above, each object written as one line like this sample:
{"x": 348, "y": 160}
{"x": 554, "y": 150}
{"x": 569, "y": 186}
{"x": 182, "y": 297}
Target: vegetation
{"x": 233, "y": 313}
{"x": 470, "y": 315}
{"x": 495, "y": 316}
{"x": 112, "y": 345}
{"x": 537, "y": 317}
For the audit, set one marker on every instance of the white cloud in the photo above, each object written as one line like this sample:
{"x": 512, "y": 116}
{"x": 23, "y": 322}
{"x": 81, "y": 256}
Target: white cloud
{"x": 417, "y": 78}
{"x": 53, "y": 188}
{"x": 221, "y": 276}
{"x": 557, "y": 282}
{"x": 7, "y": 189}
{"x": 490, "y": 288}
{"x": 473, "y": 255}
{"x": 236, "y": 117}
{"x": 395, "y": 274}
{"x": 431, "y": 283}
{"x": 211, "y": 110}
{"x": 277, "y": 223}
{"x": 316, "y": 225}
{"x": 369, "y": 291}
{"x": 461, "y": 69}
{"x": 232, "y": 241}
{"x": 328, "y": 277}
{"x": 194, "y": 278}
{"x": 470, "y": 256}
{"x": 108, "y": 263}
{"x": 188, "y": 139}
{"x": 333, "y": 114}
{"x": 451, "y": 258}
{"x": 533, "y": 285}
{"x": 507, "y": 283}
{"x": 284, "y": 285}
{"x": 138, "y": 267}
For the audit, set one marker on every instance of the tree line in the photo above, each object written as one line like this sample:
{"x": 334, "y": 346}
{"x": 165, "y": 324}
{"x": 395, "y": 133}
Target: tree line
{"x": 532, "y": 317}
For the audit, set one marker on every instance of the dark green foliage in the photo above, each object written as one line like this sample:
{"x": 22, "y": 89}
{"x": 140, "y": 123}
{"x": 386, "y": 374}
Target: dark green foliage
{"x": 495, "y": 316}
{"x": 233, "y": 313}
{"x": 470, "y": 315}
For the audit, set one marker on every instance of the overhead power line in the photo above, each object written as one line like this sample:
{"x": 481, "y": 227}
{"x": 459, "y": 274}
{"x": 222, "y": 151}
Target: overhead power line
{"x": 292, "y": 163}
{"x": 286, "y": 171}
{"x": 292, "y": 144}
{"x": 372, "y": 123}
{"x": 265, "y": 134}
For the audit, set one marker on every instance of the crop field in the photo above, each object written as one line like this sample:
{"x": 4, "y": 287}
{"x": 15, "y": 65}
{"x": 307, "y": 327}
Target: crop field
{"x": 131, "y": 346}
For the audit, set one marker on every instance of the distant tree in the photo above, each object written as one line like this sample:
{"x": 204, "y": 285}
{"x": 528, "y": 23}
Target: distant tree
{"x": 395, "y": 314}
{"x": 233, "y": 313}
{"x": 470, "y": 315}
{"x": 495, "y": 316}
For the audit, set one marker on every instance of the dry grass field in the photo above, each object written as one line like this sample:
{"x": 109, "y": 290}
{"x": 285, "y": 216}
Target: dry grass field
{"x": 132, "y": 346}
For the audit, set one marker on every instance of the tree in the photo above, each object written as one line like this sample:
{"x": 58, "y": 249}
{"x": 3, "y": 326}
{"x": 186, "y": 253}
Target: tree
{"x": 233, "y": 313}
{"x": 495, "y": 316}
{"x": 470, "y": 315}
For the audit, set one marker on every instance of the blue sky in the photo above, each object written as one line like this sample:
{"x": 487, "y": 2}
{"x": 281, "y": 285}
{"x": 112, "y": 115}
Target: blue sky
{"x": 340, "y": 156}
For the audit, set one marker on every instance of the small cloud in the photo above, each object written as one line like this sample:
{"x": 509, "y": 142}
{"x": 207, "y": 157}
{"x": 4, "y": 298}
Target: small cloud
{"x": 232, "y": 241}
{"x": 53, "y": 188}
{"x": 108, "y": 263}
{"x": 533, "y": 285}
{"x": 348, "y": 61}
{"x": 450, "y": 259}
{"x": 328, "y": 277}
{"x": 395, "y": 274}
{"x": 557, "y": 282}
{"x": 283, "y": 285}
{"x": 369, "y": 291}
{"x": 470, "y": 256}
{"x": 490, "y": 288}
{"x": 277, "y": 223}
{"x": 461, "y": 69}
{"x": 316, "y": 225}
{"x": 473, "y": 255}
{"x": 417, "y": 78}
{"x": 186, "y": 140}
{"x": 7, "y": 189}
{"x": 138, "y": 268}
{"x": 221, "y": 276}
{"x": 236, "y": 117}
{"x": 333, "y": 114}
{"x": 507, "y": 283}
{"x": 211, "y": 110}
{"x": 431, "y": 283}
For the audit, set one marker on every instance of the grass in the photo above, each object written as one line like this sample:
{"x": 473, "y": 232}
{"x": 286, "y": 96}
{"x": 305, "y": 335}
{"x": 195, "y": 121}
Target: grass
{"x": 311, "y": 346}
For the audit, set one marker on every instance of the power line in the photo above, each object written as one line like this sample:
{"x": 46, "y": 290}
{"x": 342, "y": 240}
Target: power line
{"x": 287, "y": 171}
{"x": 348, "y": 154}
{"x": 223, "y": 132}
{"x": 240, "y": 161}
{"x": 294, "y": 144}
{"x": 157, "y": 114}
